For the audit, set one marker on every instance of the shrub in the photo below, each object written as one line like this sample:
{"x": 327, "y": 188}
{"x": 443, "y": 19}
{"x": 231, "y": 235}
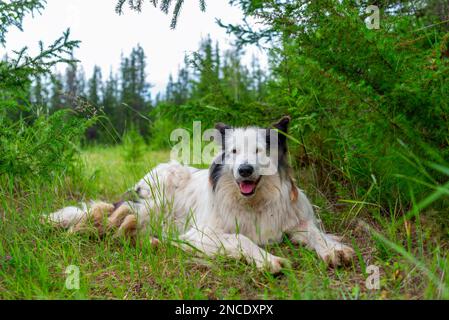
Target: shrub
{"x": 133, "y": 145}
{"x": 44, "y": 147}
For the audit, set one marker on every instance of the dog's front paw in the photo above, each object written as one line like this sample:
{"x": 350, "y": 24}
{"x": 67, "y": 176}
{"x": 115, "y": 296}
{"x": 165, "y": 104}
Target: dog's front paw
{"x": 337, "y": 254}
{"x": 273, "y": 264}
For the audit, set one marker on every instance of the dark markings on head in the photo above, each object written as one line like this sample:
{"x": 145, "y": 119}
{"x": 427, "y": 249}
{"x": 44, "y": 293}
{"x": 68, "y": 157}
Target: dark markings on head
{"x": 282, "y": 127}
{"x": 221, "y": 127}
{"x": 215, "y": 172}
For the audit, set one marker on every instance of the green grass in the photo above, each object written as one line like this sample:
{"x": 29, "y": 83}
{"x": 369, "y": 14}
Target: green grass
{"x": 412, "y": 256}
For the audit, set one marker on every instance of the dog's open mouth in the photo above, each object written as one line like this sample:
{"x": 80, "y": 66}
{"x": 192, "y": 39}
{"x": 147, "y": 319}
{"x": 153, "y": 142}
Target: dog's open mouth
{"x": 248, "y": 188}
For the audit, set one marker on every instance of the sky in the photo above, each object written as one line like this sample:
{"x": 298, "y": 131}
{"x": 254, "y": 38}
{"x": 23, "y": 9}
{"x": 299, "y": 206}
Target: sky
{"x": 105, "y": 34}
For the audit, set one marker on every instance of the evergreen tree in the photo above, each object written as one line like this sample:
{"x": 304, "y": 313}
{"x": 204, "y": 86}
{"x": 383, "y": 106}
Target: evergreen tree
{"x": 207, "y": 85}
{"x": 71, "y": 87}
{"x": 135, "y": 97}
{"x": 169, "y": 91}
{"x": 57, "y": 93}
{"x": 165, "y": 6}
{"x": 212, "y": 81}
{"x": 258, "y": 80}
{"x": 95, "y": 87}
{"x": 39, "y": 94}
{"x": 236, "y": 76}
{"x": 110, "y": 95}
{"x": 111, "y": 100}
{"x": 182, "y": 87}
{"x": 81, "y": 82}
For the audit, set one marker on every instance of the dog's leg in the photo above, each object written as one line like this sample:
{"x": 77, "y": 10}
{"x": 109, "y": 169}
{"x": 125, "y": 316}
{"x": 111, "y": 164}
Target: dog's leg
{"x": 94, "y": 218}
{"x": 119, "y": 215}
{"x": 128, "y": 228}
{"x": 307, "y": 231}
{"x": 235, "y": 246}
{"x": 328, "y": 246}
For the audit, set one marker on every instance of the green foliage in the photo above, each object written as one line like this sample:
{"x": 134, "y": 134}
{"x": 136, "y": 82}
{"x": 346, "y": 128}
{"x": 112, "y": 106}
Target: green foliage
{"x": 15, "y": 73}
{"x": 215, "y": 86}
{"x": 165, "y": 6}
{"x": 45, "y": 148}
{"x": 161, "y": 129}
{"x": 370, "y": 127}
{"x": 355, "y": 92}
{"x": 12, "y": 13}
{"x": 134, "y": 93}
{"x": 31, "y": 142}
{"x": 168, "y": 272}
{"x": 122, "y": 100}
{"x": 361, "y": 100}
{"x": 133, "y": 146}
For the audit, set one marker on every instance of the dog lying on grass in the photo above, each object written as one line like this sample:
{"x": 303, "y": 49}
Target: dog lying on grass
{"x": 234, "y": 208}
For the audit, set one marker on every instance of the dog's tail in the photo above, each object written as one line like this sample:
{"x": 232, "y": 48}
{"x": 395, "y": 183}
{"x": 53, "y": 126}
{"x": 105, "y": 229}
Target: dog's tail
{"x": 87, "y": 215}
{"x": 67, "y": 217}
{"x": 99, "y": 217}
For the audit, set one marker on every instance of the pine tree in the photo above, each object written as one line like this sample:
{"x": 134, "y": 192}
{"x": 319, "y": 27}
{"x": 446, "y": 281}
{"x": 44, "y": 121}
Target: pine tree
{"x": 165, "y": 6}
{"x": 169, "y": 91}
{"x": 257, "y": 75}
{"x": 207, "y": 84}
{"x": 95, "y": 87}
{"x": 236, "y": 76}
{"x": 182, "y": 87}
{"x": 71, "y": 85}
{"x": 39, "y": 94}
{"x": 81, "y": 82}
{"x": 110, "y": 99}
{"x": 135, "y": 97}
{"x": 57, "y": 93}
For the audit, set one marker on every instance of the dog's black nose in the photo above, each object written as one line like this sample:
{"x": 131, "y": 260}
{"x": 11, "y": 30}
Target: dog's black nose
{"x": 246, "y": 170}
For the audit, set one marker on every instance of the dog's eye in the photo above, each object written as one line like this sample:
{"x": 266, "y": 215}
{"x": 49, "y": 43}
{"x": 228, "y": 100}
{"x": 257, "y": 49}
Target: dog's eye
{"x": 234, "y": 151}
{"x": 257, "y": 150}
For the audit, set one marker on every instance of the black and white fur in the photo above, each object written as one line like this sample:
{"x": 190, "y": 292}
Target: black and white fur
{"x": 231, "y": 208}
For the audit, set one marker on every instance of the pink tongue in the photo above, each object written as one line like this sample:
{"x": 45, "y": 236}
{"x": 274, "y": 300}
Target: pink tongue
{"x": 247, "y": 187}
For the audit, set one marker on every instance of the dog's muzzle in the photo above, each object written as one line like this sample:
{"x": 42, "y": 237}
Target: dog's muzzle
{"x": 247, "y": 181}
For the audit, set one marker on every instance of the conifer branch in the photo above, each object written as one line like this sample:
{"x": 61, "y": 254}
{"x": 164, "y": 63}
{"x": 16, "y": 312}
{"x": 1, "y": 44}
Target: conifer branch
{"x": 165, "y": 6}
{"x": 12, "y": 13}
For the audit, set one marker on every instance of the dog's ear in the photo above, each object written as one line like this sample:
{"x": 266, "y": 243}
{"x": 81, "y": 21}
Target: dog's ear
{"x": 283, "y": 124}
{"x": 221, "y": 128}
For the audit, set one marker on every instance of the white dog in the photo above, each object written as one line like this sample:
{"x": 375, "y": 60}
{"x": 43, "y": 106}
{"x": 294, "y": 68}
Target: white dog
{"x": 234, "y": 208}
